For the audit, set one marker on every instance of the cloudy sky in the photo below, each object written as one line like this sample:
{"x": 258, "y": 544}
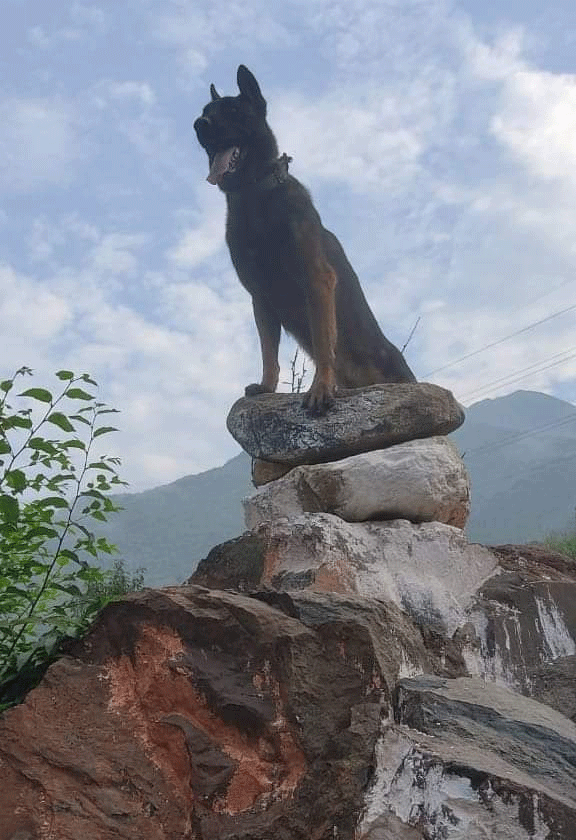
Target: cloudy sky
{"x": 438, "y": 140}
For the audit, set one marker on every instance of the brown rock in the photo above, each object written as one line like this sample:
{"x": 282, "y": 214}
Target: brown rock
{"x": 275, "y": 427}
{"x": 265, "y": 471}
{"x": 194, "y": 714}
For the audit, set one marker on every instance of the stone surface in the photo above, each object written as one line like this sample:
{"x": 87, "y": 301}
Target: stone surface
{"x": 265, "y": 471}
{"x": 473, "y": 761}
{"x": 189, "y": 714}
{"x": 429, "y": 569}
{"x": 205, "y": 715}
{"x": 507, "y": 614}
{"x": 421, "y": 480}
{"x": 524, "y": 621}
{"x": 275, "y": 427}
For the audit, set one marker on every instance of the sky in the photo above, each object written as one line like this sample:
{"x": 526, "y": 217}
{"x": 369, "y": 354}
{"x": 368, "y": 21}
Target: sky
{"x": 438, "y": 141}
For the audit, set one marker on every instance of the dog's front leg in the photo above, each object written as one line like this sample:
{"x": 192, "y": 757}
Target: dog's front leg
{"x": 268, "y": 325}
{"x": 321, "y": 304}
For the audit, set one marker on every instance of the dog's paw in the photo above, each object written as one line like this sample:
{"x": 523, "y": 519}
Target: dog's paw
{"x": 256, "y": 388}
{"x": 318, "y": 400}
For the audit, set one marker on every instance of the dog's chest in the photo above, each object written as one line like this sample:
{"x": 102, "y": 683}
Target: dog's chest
{"x": 258, "y": 236}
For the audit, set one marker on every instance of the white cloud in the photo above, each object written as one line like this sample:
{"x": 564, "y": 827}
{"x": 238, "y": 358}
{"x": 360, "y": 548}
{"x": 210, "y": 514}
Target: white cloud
{"x": 369, "y": 146}
{"x": 128, "y": 90}
{"x": 30, "y": 317}
{"x": 204, "y": 238}
{"x": 38, "y": 143}
{"x": 114, "y": 254}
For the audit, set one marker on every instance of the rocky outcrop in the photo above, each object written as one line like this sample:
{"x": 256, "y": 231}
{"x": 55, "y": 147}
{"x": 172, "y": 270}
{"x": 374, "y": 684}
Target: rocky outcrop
{"x": 368, "y": 675}
{"x": 186, "y": 713}
{"x": 275, "y": 427}
{"x": 430, "y": 570}
{"x": 471, "y": 760}
{"x": 508, "y": 613}
{"x": 421, "y": 480}
{"x": 207, "y": 715}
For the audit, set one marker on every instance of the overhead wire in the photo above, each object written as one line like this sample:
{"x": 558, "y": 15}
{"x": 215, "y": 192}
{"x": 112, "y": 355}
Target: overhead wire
{"x": 511, "y": 378}
{"x": 499, "y": 341}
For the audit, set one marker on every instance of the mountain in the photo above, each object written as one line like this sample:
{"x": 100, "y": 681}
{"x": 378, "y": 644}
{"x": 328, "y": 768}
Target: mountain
{"x": 520, "y": 451}
{"x": 169, "y": 529}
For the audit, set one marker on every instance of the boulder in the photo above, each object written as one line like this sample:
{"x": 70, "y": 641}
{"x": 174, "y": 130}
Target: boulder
{"x": 421, "y": 480}
{"x": 275, "y": 427}
{"x": 186, "y": 713}
{"x": 470, "y": 760}
{"x": 189, "y": 713}
{"x": 506, "y": 613}
{"x": 523, "y": 624}
{"x": 429, "y": 569}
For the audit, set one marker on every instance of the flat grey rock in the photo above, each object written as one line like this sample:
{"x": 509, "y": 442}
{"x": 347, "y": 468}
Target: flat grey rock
{"x": 275, "y": 427}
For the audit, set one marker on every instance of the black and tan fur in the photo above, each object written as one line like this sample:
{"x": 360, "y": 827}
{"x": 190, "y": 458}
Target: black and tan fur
{"x": 295, "y": 270}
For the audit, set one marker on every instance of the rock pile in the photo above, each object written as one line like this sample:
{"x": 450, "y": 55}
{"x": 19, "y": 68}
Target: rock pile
{"x": 370, "y": 499}
{"x": 371, "y": 675}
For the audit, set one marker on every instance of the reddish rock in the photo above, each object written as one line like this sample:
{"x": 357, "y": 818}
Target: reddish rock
{"x": 187, "y": 713}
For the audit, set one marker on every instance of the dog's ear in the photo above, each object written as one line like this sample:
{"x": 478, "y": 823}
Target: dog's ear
{"x": 214, "y": 93}
{"x": 250, "y": 88}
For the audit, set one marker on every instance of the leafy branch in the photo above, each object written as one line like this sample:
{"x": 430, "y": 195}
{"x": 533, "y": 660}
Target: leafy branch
{"x": 51, "y": 487}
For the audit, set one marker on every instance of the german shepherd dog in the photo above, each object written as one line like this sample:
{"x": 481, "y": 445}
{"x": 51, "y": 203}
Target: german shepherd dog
{"x": 296, "y": 270}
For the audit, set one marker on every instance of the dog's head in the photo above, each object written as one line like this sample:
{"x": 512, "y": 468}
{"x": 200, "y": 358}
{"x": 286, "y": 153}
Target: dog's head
{"x": 234, "y": 132}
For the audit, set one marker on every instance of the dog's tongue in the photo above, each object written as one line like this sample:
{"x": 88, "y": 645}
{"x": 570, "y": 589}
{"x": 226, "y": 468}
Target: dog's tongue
{"x": 221, "y": 164}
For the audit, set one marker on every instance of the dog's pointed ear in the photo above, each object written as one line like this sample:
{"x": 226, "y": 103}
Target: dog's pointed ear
{"x": 214, "y": 93}
{"x": 250, "y": 88}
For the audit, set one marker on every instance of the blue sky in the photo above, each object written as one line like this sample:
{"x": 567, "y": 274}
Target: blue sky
{"x": 439, "y": 143}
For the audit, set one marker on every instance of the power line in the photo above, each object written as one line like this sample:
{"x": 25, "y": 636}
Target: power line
{"x": 525, "y": 329}
{"x": 537, "y": 367}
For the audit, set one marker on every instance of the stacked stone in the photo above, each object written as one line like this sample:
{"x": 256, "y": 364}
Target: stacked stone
{"x": 370, "y": 499}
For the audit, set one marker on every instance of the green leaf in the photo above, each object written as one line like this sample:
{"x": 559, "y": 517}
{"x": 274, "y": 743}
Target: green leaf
{"x": 65, "y": 374}
{"x": 5, "y": 448}
{"x": 37, "y": 394}
{"x": 9, "y": 509}
{"x": 103, "y": 430}
{"x": 6, "y": 385}
{"x": 16, "y": 479}
{"x": 74, "y": 444}
{"x": 87, "y": 379}
{"x": 61, "y": 421}
{"x": 78, "y": 394}
{"x": 71, "y": 555}
{"x": 80, "y": 418}
{"x": 42, "y": 445}
{"x": 100, "y": 465}
{"x": 19, "y": 422}
{"x": 53, "y": 501}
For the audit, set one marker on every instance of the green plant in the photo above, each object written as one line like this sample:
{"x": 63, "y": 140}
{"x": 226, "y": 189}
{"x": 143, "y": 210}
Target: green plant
{"x": 51, "y": 488}
{"x": 564, "y": 543}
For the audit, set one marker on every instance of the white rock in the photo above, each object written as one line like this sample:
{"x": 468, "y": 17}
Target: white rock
{"x": 421, "y": 480}
{"x": 429, "y": 569}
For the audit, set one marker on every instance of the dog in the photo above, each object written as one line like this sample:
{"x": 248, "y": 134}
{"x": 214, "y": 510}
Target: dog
{"x": 295, "y": 270}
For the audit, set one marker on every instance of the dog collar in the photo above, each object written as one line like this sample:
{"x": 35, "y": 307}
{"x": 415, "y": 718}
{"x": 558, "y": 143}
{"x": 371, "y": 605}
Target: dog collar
{"x": 277, "y": 175}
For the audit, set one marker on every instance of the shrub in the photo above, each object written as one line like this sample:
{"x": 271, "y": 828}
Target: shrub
{"x": 52, "y": 488}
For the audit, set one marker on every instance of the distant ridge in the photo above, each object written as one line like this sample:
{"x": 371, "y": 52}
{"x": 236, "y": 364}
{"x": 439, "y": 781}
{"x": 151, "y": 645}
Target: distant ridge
{"x": 520, "y": 450}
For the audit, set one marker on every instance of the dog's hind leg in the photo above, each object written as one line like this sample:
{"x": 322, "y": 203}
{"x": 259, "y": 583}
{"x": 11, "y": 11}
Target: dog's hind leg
{"x": 320, "y": 288}
{"x": 268, "y": 325}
